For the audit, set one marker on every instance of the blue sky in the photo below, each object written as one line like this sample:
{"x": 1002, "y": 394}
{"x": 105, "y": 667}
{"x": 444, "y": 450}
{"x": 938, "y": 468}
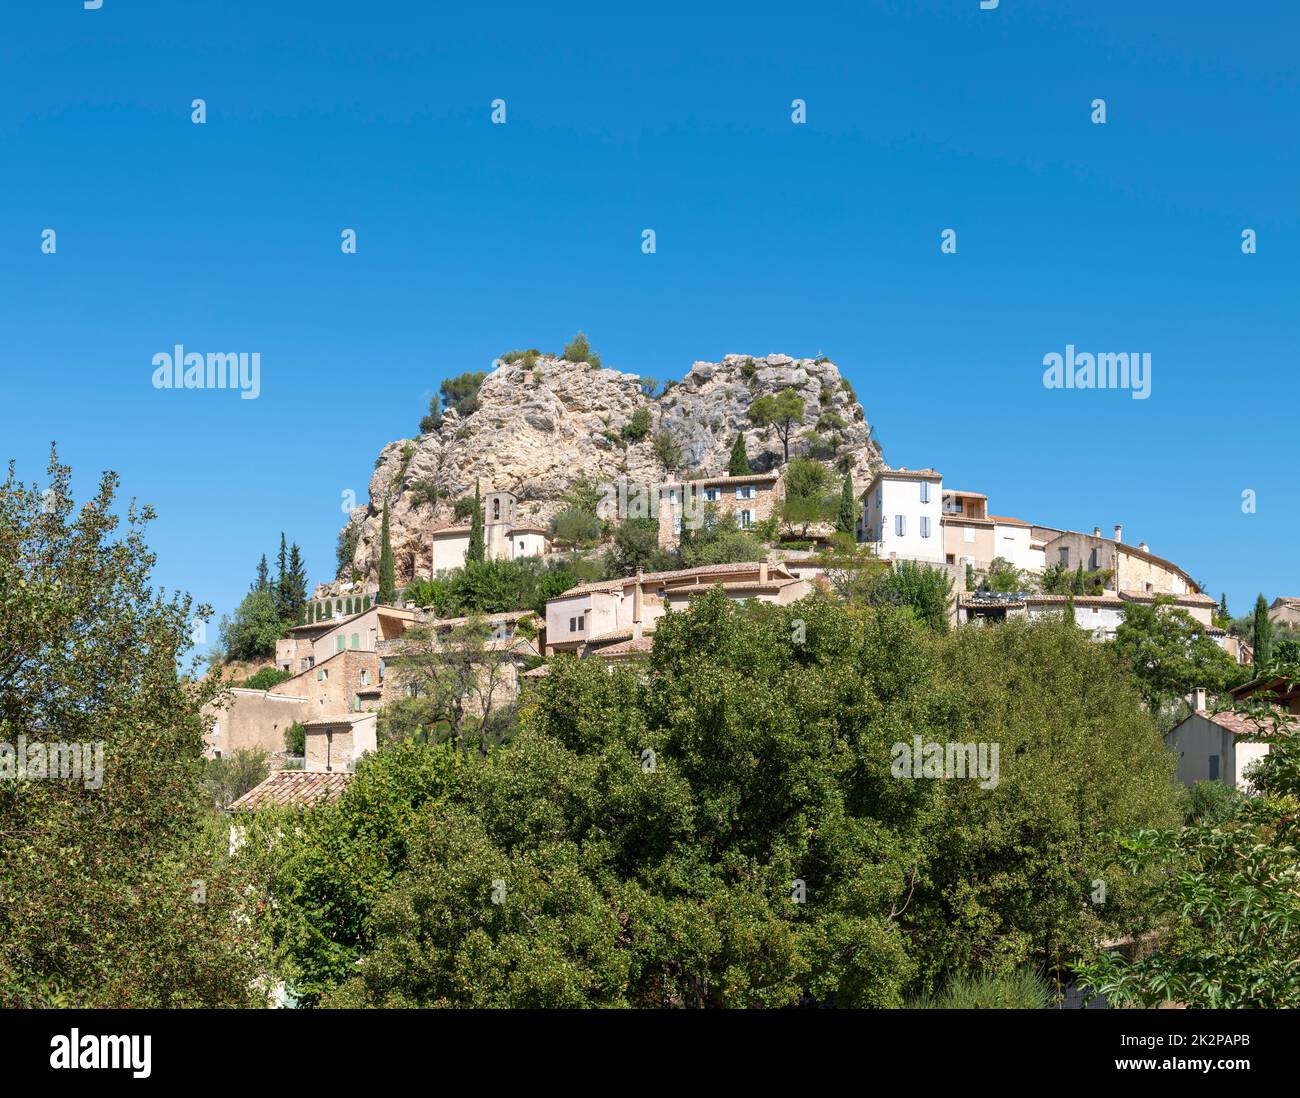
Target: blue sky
{"x": 772, "y": 237}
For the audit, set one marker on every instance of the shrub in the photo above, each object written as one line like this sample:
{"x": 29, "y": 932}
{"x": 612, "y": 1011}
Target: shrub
{"x": 464, "y": 507}
{"x": 426, "y": 493}
{"x": 266, "y": 678}
{"x": 668, "y": 450}
{"x": 638, "y": 426}
{"x": 577, "y": 528}
{"x": 295, "y": 739}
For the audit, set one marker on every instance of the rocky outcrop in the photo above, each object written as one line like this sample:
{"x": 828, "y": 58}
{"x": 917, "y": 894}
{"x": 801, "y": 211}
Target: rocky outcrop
{"x": 538, "y": 429}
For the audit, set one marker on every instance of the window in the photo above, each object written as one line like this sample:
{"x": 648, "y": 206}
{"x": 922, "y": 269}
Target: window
{"x": 496, "y": 510}
{"x": 746, "y": 518}
{"x": 322, "y": 675}
{"x": 925, "y": 526}
{"x": 677, "y": 524}
{"x": 925, "y": 492}
{"x": 968, "y": 535}
{"x": 1214, "y": 768}
{"x": 877, "y": 499}
{"x": 354, "y": 640}
{"x": 521, "y": 546}
{"x": 711, "y": 495}
{"x": 341, "y": 639}
{"x": 1065, "y": 557}
{"x": 900, "y": 525}
{"x": 381, "y": 670}
{"x": 578, "y": 624}
{"x": 745, "y": 492}
{"x": 356, "y": 703}
{"x": 365, "y": 676}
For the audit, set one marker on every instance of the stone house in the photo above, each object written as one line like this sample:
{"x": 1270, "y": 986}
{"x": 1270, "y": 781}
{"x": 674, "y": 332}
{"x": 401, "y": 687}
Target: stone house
{"x": 1133, "y": 567}
{"x": 313, "y": 643}
{"x": 591, "y": 615}
{"x": 1285, "y": 611}
{"x": 350, "y": 681}
{"x": 337, "y": 743}
{"x": 743, "y": 500}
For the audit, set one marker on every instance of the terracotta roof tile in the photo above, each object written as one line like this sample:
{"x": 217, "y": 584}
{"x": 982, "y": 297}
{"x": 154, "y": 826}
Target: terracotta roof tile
{"x": 293, "y": 789}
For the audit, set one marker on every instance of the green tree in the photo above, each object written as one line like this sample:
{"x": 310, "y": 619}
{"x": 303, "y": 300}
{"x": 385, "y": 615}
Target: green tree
{"x": 846, "y": 520}
{"x": 266, "y": 677}
{"x": 1226, "y": 929}
{"x": 461, "y": 392}
{"x": 387, "y": 569}
{"x": 809, "y": 495}
{"x": 98, "y": 873}
{"x": 579, "y": 350}
{"x": 771, "y": 730}
{"x": 345, "y": 550}
{"x": 320, "y": 873}
{"x": 281, "y": 592}
{"x": 1263, "y": 643}
{"x": 1170, "y": 653}
{"x": 738, "y": 464}
{"x": 638, "y": 426}
{"x": 783, "y": 412}
{"x": 255, "y": 628}
{"x": 475, "y": 552}
{"x": 296, "y": 605}
{"x": 576, "y": 528}
{"x": 923, "y": 591}
{"x": 668, "y": 449}
{"x": 432, "y": 420}
{"x": 1002, "y": 575}
{"x": 636, "y": 546}
{"x": 263, "y": 580}
{"x": 230, "y": 777}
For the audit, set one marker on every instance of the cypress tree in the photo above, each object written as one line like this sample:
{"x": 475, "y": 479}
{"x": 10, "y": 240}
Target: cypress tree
{"x": 282, "y": 582}
{"x": 1223, "y": 606}
{"x": 296, "y": 587}
{"x": 1263, "y": 634}
{"x": 1069, "y": 609}
{"x": 847, "y": 520}
{"x": 475, "y": 550}
{"x": 738, "y": 466}
{"x": 387, "y": 572}
{"x": 263, "y": 575}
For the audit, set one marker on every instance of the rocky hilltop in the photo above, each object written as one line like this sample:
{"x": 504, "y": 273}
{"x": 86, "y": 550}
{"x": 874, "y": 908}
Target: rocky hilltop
{"x": 541, "y": 425}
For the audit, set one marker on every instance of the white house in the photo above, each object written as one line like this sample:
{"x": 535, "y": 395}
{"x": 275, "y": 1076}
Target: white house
{"x": 504, "y": 538}
{"x": 902, "y": 515}
{"x": 1212, "y": 747}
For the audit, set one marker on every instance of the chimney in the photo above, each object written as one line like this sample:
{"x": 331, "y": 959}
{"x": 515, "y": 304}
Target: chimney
{"x": 1096, "y": 531}
{"x": 1119, "y": 533}
{"x": 1143, "y": 546}
{"x": 1198, "y": 699}
{"x": 762, "y": 572}
{"x": 636, "y": 607}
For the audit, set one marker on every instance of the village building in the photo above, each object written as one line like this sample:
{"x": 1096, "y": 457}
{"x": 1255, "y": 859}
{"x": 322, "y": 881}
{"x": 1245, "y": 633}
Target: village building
{"x": 902, "y": 515}
{"x": 1285, "y": 611}
{"x": 740, "y": 500}
{"x": 313, "y": 643}
{"x": 1214, "y": 747}
{"x": 592, "y": 615}
{"x": 505, "y": 537}
{"x": 1132, "y": 567}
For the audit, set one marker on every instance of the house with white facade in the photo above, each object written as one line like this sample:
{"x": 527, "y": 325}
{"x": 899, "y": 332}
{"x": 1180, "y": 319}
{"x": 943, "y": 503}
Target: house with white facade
{"x": 505, "y": 536}
{"x": 902, "y": 512}
{"x": 1215, "y": 747}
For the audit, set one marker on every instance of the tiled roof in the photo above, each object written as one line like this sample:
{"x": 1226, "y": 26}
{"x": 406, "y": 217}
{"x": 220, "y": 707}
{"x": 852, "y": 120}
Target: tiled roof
{"x": 704, "y": 572}
{"x": 527, "y": 528}
{"x": 1239, "y": 724}
{"x": 748, "y": 478}
{"x": 960, "y": 492}
{"x": 330, "y": 722}
{"x": 537, "y": 672}
{"x": 293, "y": 789}
{"x": 626, "y": 648}
{"x": 449, "y": 527}
{"x": 1079, "y": 600}
{"x": 1181, "y": 600}
{"x": 618, "y": 634}
{"x": 1009, "y": 521}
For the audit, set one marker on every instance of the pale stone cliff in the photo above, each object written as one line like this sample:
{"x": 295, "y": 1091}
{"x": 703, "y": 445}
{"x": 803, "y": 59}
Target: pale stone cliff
{"x": 538, "y": 429}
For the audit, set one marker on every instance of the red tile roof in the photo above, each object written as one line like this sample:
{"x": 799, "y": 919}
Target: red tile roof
{"x": 293, "y": 789}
